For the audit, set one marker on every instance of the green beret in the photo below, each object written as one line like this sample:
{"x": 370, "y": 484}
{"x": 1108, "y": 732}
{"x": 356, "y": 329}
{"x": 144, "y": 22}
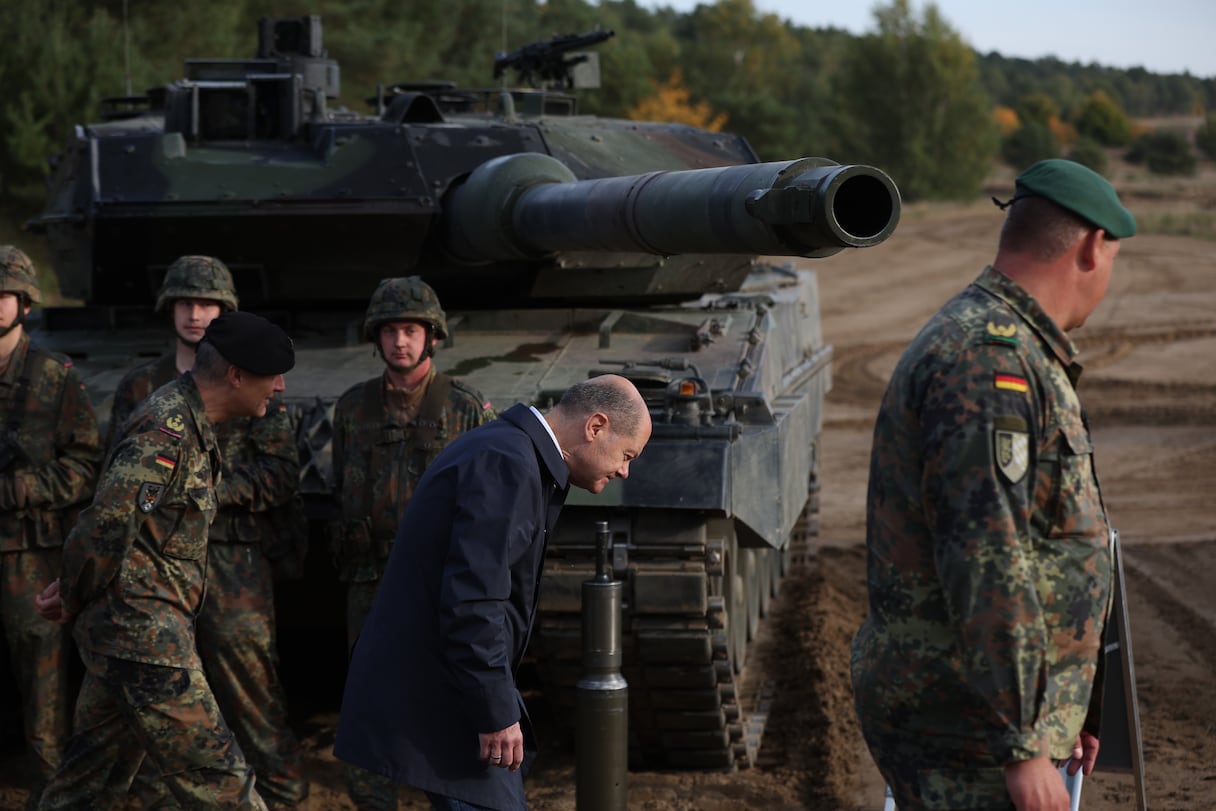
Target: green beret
{"x": 1081, "y": 190}
{"x": 251, "y": 342}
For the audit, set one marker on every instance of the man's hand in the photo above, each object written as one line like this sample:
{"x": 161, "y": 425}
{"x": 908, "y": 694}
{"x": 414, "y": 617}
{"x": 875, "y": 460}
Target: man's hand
{"x": 505, "y": 748}
{"x": 49, "y": 604}
{"x": 1035, "y": 785}
{"x": 1084, "y": 754}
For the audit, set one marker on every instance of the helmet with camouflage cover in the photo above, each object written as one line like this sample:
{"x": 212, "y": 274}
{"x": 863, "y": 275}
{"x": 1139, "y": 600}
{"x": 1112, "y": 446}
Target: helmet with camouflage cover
{"x": 202, "y": 277}
{"x": 17, "y": 274}
{"x": 405, "y": 298}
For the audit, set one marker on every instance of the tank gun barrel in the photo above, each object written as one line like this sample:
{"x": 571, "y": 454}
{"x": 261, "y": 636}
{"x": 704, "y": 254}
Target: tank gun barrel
{"x": 530, "y": 205}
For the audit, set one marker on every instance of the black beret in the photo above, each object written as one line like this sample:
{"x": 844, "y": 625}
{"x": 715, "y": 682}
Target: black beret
{"x": 251, "y": 342}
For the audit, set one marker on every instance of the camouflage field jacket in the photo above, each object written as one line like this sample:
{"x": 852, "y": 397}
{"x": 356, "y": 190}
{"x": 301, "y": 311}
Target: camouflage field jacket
{"x": 135, "y": 565}
{"x": 50, "y": 449}
{"x": 989, "y": 562}
{"x": 261, "y": 464}
{"x": 377, "y": 463}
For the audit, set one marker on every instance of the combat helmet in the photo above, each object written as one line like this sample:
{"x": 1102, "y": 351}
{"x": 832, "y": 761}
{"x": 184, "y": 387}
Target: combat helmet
{"x": 17, "y": 274}
{"x": 405, "y": 298}
{"x": 198, "y": 277}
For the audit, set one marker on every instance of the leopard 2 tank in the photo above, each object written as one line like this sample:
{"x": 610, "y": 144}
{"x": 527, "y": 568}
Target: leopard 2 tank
{"x": 562, "y": 246}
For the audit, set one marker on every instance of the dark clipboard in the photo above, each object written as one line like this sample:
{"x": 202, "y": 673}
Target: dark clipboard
{"x": 1121, "y": 750}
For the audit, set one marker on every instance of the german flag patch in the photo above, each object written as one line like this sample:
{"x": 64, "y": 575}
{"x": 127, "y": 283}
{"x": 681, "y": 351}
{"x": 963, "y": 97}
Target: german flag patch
{"x": 167, "y": 462}
{"x": 1010, "y": 382}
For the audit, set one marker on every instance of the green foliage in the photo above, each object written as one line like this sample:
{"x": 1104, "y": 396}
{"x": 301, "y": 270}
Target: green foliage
{"x": 1101, "y": 119}
{"x": 1089, "y": 152}
{"x": 1038, "y": 108}
{"x": 910, "y": 102}
{"x": 1164, "y": 152}
{"x": 1029, "y": 143}
{"x": 911, "y": 97}
{"x": 1140, "y": 93}
{"x": 769, "y": 78}
{"x": 41, "y": 105}
{"x": 1205, "y": 136}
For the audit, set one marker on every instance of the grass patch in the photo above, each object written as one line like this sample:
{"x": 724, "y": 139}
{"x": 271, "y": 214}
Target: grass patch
{"x": 1201, "y": 224}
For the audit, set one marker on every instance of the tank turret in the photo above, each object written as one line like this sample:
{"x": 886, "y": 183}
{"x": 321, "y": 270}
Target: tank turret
{"x": 560, "y": 246}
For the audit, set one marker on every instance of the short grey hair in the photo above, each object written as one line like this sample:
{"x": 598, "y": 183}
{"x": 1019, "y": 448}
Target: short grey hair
{"x": 209, "y": 364}
{"x": 623, "y": 408}
{"x": 1040, "y": 228}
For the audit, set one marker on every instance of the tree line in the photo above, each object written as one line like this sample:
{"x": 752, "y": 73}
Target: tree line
{"x": 910, "y": 96}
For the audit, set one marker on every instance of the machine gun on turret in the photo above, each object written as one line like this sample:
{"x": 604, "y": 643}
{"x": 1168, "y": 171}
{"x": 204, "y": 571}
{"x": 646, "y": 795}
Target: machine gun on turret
{"x": 546, "y": 61}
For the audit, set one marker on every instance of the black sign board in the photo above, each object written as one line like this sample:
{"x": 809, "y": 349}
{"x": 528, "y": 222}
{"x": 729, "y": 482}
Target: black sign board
{"x": 1120, "y": 750}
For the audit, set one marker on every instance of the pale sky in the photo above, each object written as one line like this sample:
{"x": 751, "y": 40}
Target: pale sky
{"x": 1162, "y": 36}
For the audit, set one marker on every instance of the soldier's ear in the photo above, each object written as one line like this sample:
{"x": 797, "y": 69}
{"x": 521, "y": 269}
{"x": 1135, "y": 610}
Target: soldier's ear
{"x": 233, "y": 375}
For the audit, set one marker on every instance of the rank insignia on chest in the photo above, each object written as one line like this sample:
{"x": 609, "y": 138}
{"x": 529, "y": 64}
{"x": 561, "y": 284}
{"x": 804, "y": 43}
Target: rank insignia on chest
{"x": 1012, "y": 450}
{"x": 149, "y": 496}
{"x": 1002, "y": 333}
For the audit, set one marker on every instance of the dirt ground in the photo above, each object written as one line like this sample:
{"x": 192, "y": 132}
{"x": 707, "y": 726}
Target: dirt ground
{"x": 1150, "y": 386}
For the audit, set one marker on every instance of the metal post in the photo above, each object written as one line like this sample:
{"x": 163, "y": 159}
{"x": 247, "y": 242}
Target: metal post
{"x": 602, "y": 739}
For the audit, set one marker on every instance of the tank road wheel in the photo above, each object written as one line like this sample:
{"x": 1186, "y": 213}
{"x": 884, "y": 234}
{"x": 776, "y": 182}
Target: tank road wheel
{"x": 736, "y": 606}
{"x": 766, "y": 560}
{"x": 750, "y": 570}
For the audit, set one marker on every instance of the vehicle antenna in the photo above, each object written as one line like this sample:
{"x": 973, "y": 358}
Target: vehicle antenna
{"x": 504, "y": 36}
{"x": 126, "y": 47}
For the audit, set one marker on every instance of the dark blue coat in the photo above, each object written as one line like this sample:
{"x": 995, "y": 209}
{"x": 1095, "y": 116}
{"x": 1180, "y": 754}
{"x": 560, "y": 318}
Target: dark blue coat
{"x": 435, "y": 663}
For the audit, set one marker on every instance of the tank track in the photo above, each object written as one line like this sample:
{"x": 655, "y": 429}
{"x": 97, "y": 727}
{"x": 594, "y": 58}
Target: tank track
{"x": 697, "y": 700}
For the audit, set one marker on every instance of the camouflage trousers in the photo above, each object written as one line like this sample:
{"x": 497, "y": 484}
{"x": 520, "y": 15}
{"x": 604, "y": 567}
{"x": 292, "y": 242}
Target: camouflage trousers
{"x": 236, "y": 640}
{"x": 39, "y": 652}
{"x": 949, "y": 790}
{"x": 130, "y": 710}
{"x": 369, "y": 791}
{"x": 920, "y": 779}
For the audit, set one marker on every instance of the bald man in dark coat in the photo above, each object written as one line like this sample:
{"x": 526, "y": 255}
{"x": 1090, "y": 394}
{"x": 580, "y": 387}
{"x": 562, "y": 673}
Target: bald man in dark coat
{"x": 430, "y": 696}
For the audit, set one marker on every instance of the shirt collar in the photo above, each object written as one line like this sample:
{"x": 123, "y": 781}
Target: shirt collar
{"x": 548, "y": 430}
{"x": 1024, "y": 304}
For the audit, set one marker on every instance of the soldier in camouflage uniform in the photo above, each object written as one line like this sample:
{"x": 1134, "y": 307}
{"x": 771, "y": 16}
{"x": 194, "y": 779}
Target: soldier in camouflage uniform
{"x": 386, "y": 431}
{"x": 195, "y": 290}
{"x": 50, "y": 451}
{"x": 989, "y": 561}
{"x": 135, "y": 571}
{"x": 235, "y": 633}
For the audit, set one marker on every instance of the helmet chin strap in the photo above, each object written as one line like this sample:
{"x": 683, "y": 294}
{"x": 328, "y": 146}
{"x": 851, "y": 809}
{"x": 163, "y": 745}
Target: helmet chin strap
{"x": 406, "y": 370}
{"x": 18, "y": 321}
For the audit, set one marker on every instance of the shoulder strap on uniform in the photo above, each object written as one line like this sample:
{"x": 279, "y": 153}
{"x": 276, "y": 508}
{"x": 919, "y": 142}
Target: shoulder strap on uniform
{"x": 31, "y": 376}
{"x": 433, "y": 401}
{"x": 424, "y": 428}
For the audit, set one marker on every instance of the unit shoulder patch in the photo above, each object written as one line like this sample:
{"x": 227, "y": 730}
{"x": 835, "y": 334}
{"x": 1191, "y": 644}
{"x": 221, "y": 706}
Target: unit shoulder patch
{"x": 149, "y": 496}
{"x": 1011, "y": 447}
